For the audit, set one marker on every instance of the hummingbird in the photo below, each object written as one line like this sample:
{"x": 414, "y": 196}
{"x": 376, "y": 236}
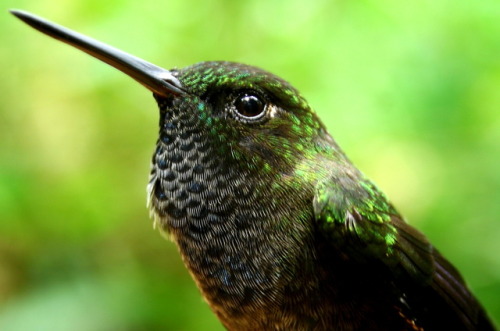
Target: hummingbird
{"x": 279, "y": 230}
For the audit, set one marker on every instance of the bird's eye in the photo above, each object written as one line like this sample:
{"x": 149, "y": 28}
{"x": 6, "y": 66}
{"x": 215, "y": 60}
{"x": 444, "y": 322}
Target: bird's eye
{"x": 249, "y": 106}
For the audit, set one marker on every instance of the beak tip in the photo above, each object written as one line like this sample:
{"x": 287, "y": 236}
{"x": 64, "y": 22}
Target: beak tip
{"x": 18, "y": 13}
{"x": 26, "y": 17}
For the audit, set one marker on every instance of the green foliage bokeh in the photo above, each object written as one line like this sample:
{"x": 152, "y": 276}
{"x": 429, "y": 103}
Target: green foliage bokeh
{"x": 410, "y": 90}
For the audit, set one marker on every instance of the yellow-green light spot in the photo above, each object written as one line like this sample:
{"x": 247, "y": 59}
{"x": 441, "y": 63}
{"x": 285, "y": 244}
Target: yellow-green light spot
{"x": 266, "y": 167}
{"x": 390, "y": 239}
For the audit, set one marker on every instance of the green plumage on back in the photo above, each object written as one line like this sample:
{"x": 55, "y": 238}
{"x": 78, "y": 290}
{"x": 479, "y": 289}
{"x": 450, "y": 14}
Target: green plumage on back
{"x": 357, "y": 218}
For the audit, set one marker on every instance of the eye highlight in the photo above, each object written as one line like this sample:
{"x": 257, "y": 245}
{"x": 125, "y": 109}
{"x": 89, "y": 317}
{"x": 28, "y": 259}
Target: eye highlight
{"x": 249, "y": 106}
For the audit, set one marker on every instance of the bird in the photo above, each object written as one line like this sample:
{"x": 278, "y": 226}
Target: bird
{"x": 277, "y": 227}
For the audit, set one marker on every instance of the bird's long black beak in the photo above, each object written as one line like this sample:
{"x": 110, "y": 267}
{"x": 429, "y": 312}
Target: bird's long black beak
{"x": 158, "y": 80}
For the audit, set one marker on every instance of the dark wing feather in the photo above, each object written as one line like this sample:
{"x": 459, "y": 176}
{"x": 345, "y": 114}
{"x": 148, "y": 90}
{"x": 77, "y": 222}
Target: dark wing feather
{"x": 442, "y": 300}
{"x": 358, "y": 220}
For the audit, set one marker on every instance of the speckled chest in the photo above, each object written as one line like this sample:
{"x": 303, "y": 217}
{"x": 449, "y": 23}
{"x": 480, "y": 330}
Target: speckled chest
{"x": 232, "y": 228}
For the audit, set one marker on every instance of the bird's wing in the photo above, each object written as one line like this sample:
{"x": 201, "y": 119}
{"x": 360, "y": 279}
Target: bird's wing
{"x": 357, "y": 219}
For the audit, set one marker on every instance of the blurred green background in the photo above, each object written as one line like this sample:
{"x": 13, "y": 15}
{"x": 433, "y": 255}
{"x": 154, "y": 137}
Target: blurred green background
{"x": 411, "y": 91}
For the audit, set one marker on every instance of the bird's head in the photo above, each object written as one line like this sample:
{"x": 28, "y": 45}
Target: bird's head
{"x": 227, "y": 131}
{"x": 253, "y": 119}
